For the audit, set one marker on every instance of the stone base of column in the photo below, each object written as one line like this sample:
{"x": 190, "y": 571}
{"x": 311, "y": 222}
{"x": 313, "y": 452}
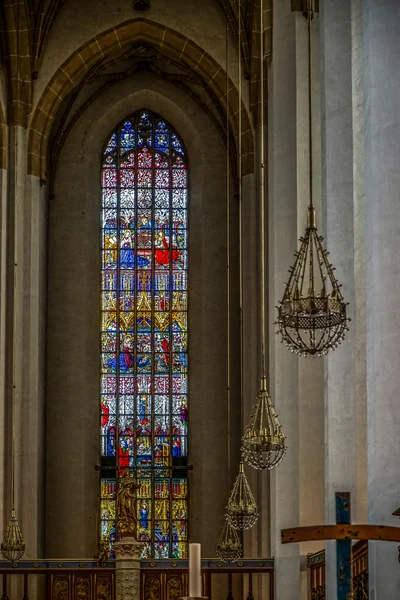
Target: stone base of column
{"x": 127, "y": 568}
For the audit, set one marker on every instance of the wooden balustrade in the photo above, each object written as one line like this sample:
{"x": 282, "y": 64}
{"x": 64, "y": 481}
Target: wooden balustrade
{"x": 316, "y": 564}
{"x": 160, "y": 580}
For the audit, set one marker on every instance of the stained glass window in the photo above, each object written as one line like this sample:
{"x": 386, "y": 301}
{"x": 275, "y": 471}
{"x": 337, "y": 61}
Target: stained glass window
{"x": 144, "y": 375}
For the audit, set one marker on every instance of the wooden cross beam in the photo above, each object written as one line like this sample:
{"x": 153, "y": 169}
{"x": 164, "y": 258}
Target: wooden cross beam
{"x": 343, "y": 532}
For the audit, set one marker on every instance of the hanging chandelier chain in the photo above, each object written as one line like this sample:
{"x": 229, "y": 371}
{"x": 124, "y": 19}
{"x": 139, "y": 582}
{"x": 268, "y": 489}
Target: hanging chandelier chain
{"x": 310, "y": 16}
{"x": 312, "y": 317}
{"x": 228, "y": 243}
{"x": 14, "y": 379}
{"x": 262, "y": 195}
{"x": 240, "y": 193}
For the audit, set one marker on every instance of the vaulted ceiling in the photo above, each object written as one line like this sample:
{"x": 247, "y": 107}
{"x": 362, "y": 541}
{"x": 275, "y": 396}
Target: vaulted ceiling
{"x": 36, "y": 19}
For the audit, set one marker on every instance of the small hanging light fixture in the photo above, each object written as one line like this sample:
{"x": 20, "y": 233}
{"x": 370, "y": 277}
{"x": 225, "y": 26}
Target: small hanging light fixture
{"x": 13, "y": 546}
{"x": 312, "y": 313}
{"x": 229, "y": 547}
{"x": 263, "y": 442}
{"x": 242, "y": 511}
{"x": 263, "y": 445}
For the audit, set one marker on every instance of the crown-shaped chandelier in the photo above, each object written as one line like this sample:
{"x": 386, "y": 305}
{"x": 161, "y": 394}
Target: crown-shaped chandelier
{"x": 312, "y": 313}
{"x": 263, "y": 442}
{"x": 13, "y": 545}
{"x": 241, "y": 510}
{"x": 229, "y": 547}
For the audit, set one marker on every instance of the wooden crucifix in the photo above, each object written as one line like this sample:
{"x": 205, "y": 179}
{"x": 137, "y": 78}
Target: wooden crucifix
{"x": 343, "y": 532}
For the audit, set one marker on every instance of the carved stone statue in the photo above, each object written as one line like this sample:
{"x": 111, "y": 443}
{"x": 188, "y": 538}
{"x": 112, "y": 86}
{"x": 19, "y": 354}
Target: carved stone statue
{"x": 126, "y": 505}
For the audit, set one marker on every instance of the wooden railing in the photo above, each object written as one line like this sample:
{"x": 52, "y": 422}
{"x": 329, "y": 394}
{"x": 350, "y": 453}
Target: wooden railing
{"x": 359, "y": 555}
{"x": 160, "y": 580}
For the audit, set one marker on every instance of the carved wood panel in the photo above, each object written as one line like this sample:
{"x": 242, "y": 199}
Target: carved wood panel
{"x": 85, "y": 586}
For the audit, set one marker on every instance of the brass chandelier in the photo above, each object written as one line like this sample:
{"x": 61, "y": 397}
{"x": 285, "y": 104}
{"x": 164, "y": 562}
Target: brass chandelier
{"x": 263, "y": 442}
{"x": 13, "y": 546}
{"x": 241, "y": 510}
{"x": 229, "y": 547}
{"x": 312, "y": 313}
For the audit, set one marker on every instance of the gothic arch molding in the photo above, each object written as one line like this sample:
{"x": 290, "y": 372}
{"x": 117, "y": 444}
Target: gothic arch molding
{"x": 161, "y": 37}
{"x": 73, "y": 256}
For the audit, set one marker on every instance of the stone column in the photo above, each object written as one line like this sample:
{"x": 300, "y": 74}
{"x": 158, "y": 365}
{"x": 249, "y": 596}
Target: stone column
{"x": 25, "y": 343}
{"x": 283, "y": 366}
{"x": 338, "y": 189}
{"x": 310, "y": 371}
{"x": 127, "y": 568}
{"x": 296, "y": 384}
{"x": 381, "y": 30}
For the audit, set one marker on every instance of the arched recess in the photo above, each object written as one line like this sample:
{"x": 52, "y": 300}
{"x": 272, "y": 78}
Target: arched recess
{"x": 73, "y": 416}
{"x": 170, "y": 43}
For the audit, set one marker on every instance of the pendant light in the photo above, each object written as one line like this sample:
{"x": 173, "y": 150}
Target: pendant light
{"x": 263, "y": 442}
{"x": 241, "y": 510}
{"x": 13, "y": 545}
{"x": 312, "y": 313}
{"x": 229, "y": 547}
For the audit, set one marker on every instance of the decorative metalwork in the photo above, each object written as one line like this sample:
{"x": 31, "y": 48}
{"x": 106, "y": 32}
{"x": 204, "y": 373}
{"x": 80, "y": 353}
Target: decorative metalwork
{"x": 263, "y": 442}
{"x": 241, "y": 511}
{"x": 312, "y": 316}
{"x": 229, "y": 547}
{"x": 312, "y": 313}
{"x": 13, "y": 545}
{"x": 318, "y": 593}
{"x": 360, "y": 586}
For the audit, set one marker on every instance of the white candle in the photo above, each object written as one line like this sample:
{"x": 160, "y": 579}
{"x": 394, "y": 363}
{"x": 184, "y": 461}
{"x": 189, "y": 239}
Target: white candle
{"x": 195, "y": 586}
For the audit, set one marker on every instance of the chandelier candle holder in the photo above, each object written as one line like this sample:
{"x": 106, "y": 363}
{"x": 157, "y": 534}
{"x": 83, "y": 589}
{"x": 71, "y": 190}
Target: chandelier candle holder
{"x": 13, "y": 545}
{"x": 312, "y": 313}
{"x": 263, "y": 442}
{"x": 312, "y": 316}
{"x": 241, "y": 511}
{"x": 229, "y": 547}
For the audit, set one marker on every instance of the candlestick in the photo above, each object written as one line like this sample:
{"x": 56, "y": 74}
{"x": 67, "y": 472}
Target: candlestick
{"x": 195, "y": 586}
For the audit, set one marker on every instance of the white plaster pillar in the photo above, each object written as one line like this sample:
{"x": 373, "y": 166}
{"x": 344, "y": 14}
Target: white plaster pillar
{"x": 381, "y": 31}
{"x": 283, "y": 366}
{"x": 296, "y": 384}
{"x": 310, "y": 370}
{"x": 341, "y": 190}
